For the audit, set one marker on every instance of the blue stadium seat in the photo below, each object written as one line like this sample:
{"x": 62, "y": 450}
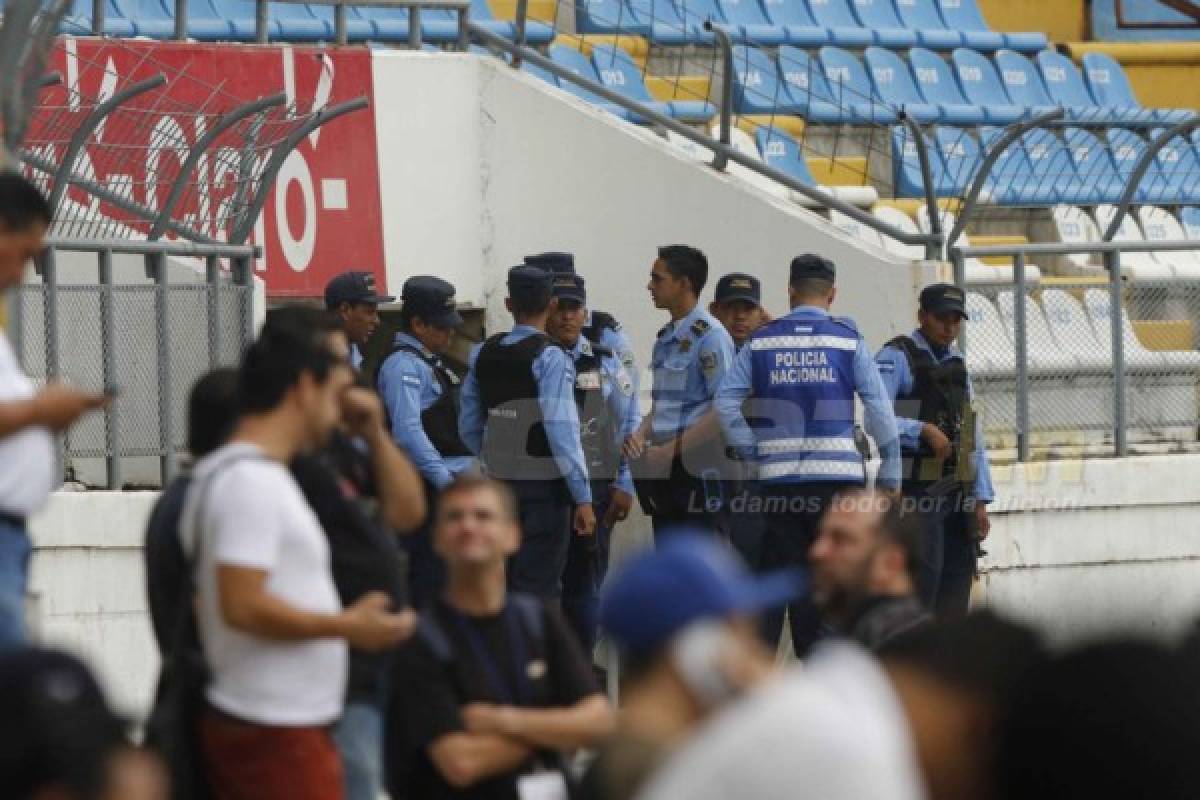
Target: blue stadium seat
{"x": 780, "y": 151}
{"x": 613, "y": 16}
{"x": 924, "y": 18}
{"x": 909, "y": 182}
{"x": 1094, "y": 168}
{"x": 802, "y": 30}
{"x": 880, "y": 17}
{"x": 836, "y": 17}
{"x": 804, "y": 80}
{"x": 852, "y": 90}
{"x": 1111, "y": 90}
{"x": 1127, "y": 148}
{"x": 756, "y": 85}
{"x": 241, "y": 18}
{"x": 78, "y": 20}
{"x": 964, "y": 15}
{"x": 750, "y": 21}
{"x": 694, "y": 14}
{"x": 149, "y": 17}
{"x": 1024, "y": 83}
{"x": 982, "y": 86}
{"x": 619, "y": 72}
{"x": 1013, "y": 180}
{"x": 1190, "y": 217}
{"x": 1066, "y": 86}
{"x": 665, "y": 23}
{"x": 893, "y": 82}
{"x": 207, "y": 24}
{"x": 581, "y": 65}
{"x": 939, "y": 87}
{"x": 1179, "y": 169}
{"x": 960, "y": 156}
{"x": 540, "y": 73}
{"x": 1053, "y": 173}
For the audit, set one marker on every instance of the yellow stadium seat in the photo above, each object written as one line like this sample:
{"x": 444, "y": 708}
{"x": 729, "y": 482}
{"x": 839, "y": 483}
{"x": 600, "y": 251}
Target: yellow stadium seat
{"x": 841, "y": 171}
{"x": 541, "y": 10}
{"x": 678, "y": 87}
{"x": 636, "y": 46}
{"x": 978, "y": 240}
{"x": 750, "y": 123}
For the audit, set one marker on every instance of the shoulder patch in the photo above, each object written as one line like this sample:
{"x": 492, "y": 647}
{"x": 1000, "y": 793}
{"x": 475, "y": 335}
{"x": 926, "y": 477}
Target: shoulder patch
{"x": 700, "y": 327}
{"x": 585, "y": 347}
{"x": 708, "y": 363}
{"x": 886, "y": 365}
{"x": 626, "y": 358}
{"x": 411, "y": 380}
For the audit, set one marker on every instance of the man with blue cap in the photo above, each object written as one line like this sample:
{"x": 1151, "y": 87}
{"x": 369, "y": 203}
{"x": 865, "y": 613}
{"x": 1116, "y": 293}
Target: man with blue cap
{"x": 683, "y": 618}
{"x": 518, "y": 414}
{"x": 421, "y": 391}
{"x": 355, "y": 300}
{"x": 608, "y": 412}
{"x": 800, "y": 374}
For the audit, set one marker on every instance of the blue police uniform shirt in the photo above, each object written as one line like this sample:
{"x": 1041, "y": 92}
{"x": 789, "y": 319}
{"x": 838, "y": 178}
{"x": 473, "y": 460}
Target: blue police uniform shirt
{"x": 409, "y": 387}
{"x": 621, "y": 398}
{"x": 817, "y": 444}
{"x": 690, "y": 358}
{"x": 898, "y": 380}
{"x": 555, "y": 375}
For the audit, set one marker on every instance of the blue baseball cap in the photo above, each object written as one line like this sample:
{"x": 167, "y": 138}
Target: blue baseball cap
{"x": 690, "y": 577}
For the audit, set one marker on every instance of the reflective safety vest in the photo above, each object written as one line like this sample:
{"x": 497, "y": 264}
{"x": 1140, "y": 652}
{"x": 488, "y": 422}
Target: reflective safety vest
{"x": 803, "y": 400}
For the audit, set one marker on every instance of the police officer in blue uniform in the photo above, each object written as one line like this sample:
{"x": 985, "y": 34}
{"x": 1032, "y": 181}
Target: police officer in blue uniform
{"x": 946, "y": 473}
{"x": 518, "y": 414}
{"x": 420, "y": 391}
{"x": 355, "y": 300}
{"x": 800, "y": 374}
{"x": 737, "y": 303}
{"x": 680, "y": 455}
{"x": 608, "y": 412}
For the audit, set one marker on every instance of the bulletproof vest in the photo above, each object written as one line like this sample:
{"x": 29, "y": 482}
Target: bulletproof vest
{"x": 440, "y": 420}
{"x": 515, "y": 446}
{"x": 939, "y": 396}
{"x": 802, "y": 412}
{"x": 601, "y": 321}
{"x": 597, "y": 428}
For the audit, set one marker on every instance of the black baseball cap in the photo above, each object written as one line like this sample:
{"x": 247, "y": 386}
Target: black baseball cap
{"x": 353, "y": 287}
{"x": 525, "y": 281}
{"x": 739, "y": 286}
{"x": 570, "y": 287}
{"x": 939, "y": 298}
{"x": 431, "y": 299}
{"x": 558, "y": 263}
{"x": 811, "y": 265}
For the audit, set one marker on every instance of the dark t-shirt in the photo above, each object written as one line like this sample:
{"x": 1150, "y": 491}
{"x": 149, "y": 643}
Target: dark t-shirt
{"x": 337, "y": 482}
{"x": 166, "y": 567}
{"x": 431, "y": 688}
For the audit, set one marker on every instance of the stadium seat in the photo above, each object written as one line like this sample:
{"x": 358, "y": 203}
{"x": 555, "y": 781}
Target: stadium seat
{"x": 1046, "y": 353}
{"x": 78, "y": 20}
{"x": 751, "y": 23}
{"x": 1143, "y": 266}
{"x": 619, "y": 72}
{"x": 1052, "y": 174}
{"x": 1099, "y": 311}
{"x": 581, "y": 65}
{"x": 856, "y": 230}
{"x": 964, "y": 15}
{"x": 1011, "y": 180}
{"x": 1179, "y": 170}
{"x": 852, "y": 90}
{"x": 909, "y": 182}
{"x": 939, "y": 87}
{"x": 664, "y": 25}
{"x": 205, "y": 23}
{"x": 1159, "y": 225}
{"x": 540, "y": 74}
{"x": 976, "y": 270}
{"x": 616, "y": 17}
{"x": 693, "y": 150}
{"x": 1190, "y": 219}
{"x": 797, "y": 22}
{"x": 923, "y": 17}
{"x": 149, "y": 18}
{"x": 804, "y": 81}
{"x": 1066, "y": 86}
{"x": 982, "y": 86}
{"x": 1098, "y": 178}
{"x": 960, "y": 158}
{"x": 1111, "y": 90}
{"x": 892, "y": 81}
{"x": 1073, "y": 225}
{"x": 990, "y": 350}
{"x": 1073, "y": 332}
{"x": 694, "y": 14}
{"x": 781, "y": 152}
{"x": 837, "y": 18}
{"x": 743, "y": 142}
{"x": 1127, "y": 148}
{"x": 1024, "y": 84}
{"x": 903, "y": 222}
{"x": 880, "y": 16}
{"x": 757, "y": 88}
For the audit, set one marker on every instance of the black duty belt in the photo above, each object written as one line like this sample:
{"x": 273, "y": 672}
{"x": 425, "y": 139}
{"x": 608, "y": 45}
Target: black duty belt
{"x": 15, "y": 520}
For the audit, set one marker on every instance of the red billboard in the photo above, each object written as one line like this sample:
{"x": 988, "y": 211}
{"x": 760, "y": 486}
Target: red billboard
{"x": 322, "y": 214}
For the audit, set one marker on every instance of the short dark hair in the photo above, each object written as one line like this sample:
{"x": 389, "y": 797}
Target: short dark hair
{"x": 21, "y": 203}
{"x": 684, "y": 261}
{"x": 474, "y": 481}
{"x": 212, "y": 410}
{"x": 532, "y": 301}
{"x": 905, "y": 531}
{"x": 811, "y": 287}
{"x": 295, "y": 340}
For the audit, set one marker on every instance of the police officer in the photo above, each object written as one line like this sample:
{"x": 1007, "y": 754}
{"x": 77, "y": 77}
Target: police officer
{"x": 680, "y": 454}
{"x": 737, "y": 304}
{"x": 354, "y": 298}
{"x": 801, "y": 373}
{"x": 518, "y": 414}
{"x": 421, "y": 391}
{"x": 946, "y": 473}
{"x": 608, "y": 412}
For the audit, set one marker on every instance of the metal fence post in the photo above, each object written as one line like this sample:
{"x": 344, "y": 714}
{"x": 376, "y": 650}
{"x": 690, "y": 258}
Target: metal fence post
{"x": 414, "y": 28}
{"x": 166, "y": 427}
{"x": 1022, "y": 341}
{"x": 108, "y": 347}
{"x": 260, "y": 21}
{"x": 958, "y": 263}
{"x": 212, "y": 275}
{"x": 243, "y": 276}
{"x": 339, "y": 23}
{"x": 1112, "y": 262}
{"x": 181, "y": 19}
{"x": 720, "y": 160}
{"x": 522, "y": 15}
{"x": 98, "y": 11}
{"x": 464, "y": 31}
{"x": 49, "y": 271}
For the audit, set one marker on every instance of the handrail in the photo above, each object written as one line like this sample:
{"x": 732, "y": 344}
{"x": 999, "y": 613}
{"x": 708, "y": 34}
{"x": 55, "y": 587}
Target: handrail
{"x": 730, "y": 153}
{"x": 727, "y": 67}
{"x": 1069, "y": 248}
{"x": 1140, "y": 169}
{"x": 141, "y": 247}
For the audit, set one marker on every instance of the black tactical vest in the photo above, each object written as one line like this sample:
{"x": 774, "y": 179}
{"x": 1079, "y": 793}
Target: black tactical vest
{"x": 515, "y": 447}
{"x": 440, "y": 420}
{"x": 939, "y": 396}
{"x": 597, "y": 428}
{"x": 601, "y": 321}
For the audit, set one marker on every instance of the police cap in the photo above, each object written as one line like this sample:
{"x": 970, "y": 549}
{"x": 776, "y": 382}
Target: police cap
{"x": 557, "y": 263}
{"x": 570, "y": 287}
{"x": 353, "y": 287}
{"x": 525, "y": 281}
{"x": 940, "y": 298}
{"x": 431, "y": 299}
{"x": 810, "y": 266}
{"x": 739, "y": 286}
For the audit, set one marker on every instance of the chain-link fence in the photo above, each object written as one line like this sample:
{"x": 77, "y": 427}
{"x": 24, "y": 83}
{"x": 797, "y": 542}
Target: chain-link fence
{"x": 141, "y": 320}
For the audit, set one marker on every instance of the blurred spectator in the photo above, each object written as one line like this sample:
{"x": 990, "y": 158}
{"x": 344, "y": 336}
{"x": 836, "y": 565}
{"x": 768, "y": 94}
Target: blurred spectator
{"x": 1119, "y": 719}
{"x": 862, "y": 569}
{"x": 920, "y": 725}
{"x": 28, "y": 418}
{"x": 494, "y": 688}
{"x": 355, "y": 300}
{"x": 59, "y": 738}
{"x": 737, "y": 305}
{"x": 272, "y": 628}
{"x": 683, "y": 618}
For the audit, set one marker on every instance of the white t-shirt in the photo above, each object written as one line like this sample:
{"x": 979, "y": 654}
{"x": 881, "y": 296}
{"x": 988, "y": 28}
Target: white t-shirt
{"x": 28, "y": 472}
{"x": 254, "y": 515}
{"x": 833, "y": 730}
